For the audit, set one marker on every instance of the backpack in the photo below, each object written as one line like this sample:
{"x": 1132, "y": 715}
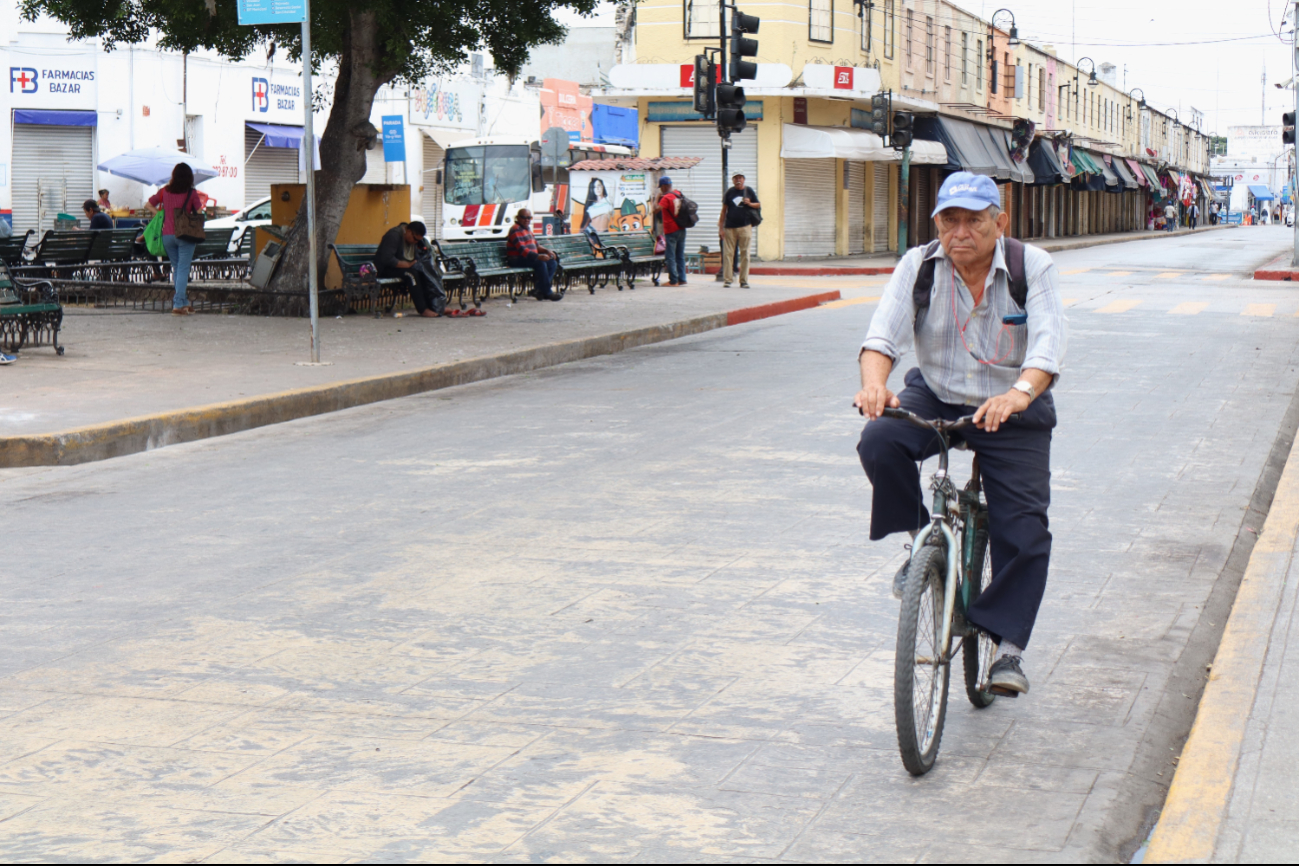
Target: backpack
{"x": 924, "y": 284}
{"x": 688, "y": 216}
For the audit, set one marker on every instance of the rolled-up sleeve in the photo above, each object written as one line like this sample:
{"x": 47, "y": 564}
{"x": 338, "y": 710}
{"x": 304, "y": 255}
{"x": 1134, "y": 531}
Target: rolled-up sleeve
{"x": 1047, "y": 325}
{"x": 892, "y": 328}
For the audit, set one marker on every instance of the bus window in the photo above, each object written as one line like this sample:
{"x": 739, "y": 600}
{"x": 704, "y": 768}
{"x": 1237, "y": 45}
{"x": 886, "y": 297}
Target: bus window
{"x": 491, "y": 174}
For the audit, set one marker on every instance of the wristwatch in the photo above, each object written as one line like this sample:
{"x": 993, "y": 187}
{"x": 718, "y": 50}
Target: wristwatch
{"x": 1025, "y": 388}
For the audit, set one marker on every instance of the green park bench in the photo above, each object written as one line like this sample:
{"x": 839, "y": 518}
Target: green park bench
{"x": 113, "y": 245}
{"x": 12, "y": 248}
{"x": 483, "y": 266}
{"x": 59, "y": 251}
{"x": 383, "y": 293}
{"x": 216, "y": 245}
{"x": 578, "y": 259}
{"x": 636, "y": 249}
{"x": 30, "y": 313}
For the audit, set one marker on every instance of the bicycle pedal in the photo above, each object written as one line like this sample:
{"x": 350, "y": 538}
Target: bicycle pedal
{"x": 1002, "y": 692}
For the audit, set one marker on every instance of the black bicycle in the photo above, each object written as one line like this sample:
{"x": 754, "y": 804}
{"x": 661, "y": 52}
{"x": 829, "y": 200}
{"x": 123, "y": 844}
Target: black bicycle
{"x": 949, "y": 568}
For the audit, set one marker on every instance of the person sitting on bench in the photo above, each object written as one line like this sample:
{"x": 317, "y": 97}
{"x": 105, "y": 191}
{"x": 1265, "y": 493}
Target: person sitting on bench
{"x": 98, "y": 219}
{"x": 521, "y": 251}
{"x": 403, "y": 252}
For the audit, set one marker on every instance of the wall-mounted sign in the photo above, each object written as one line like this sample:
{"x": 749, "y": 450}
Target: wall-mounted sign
{"x": 453, "y": 105}
{"x": 673, "y": 112}
{"x": 562, "y": 104}
{"x": 52, "y": 80}
{"x": 394, "y": 139}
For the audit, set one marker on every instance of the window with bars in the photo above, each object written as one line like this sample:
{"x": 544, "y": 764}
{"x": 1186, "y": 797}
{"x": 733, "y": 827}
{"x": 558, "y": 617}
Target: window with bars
{"x": 867, "y": 26}
{"x": 947, "y": 53}
{"x": 978, "y": 64}
{"x": 907, "y": 35}
{"x": 965, "y": 58}
{"x": 820, "y": 20}
{"x": 1041, "y": 89}
{"x": 701, "y": 20}
{"x": 890, "y": 27}
{"x": 929, "y": 45}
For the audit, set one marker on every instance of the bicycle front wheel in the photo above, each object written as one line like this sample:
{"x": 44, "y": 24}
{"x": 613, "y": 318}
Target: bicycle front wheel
{"x": 920, "y": 675}
{"x": 977, "y": 649}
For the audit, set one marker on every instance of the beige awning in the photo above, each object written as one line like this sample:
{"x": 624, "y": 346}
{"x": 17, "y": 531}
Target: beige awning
{"x": 834, "y": 142}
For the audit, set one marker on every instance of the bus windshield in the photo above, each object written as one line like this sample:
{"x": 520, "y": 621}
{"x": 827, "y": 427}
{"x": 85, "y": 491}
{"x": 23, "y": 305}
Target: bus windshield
{"x": 489, "y": 174}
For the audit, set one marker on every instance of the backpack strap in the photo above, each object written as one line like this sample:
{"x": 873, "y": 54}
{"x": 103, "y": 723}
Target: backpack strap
{"x": 1018, "y": 279}
{"x": 923, "y": 287}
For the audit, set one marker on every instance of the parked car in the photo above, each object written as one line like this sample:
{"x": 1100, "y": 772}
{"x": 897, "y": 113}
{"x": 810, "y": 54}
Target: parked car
{"x": 256, "y": 214}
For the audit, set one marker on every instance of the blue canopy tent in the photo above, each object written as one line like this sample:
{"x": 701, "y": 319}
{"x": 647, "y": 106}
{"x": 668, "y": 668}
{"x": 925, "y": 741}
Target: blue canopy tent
{"x": 1260, "y": 192}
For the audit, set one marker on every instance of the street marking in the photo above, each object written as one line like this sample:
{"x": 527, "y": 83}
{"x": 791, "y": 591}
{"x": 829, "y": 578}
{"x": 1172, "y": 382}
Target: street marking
{"x": 1197, "y": 800}
{"x": 1168, "y": 275}
{"x": 1075, "y": 271}
{"x": 1110, "y": 274}
{"x": 848, "y": 302}
{"x": 1217, "y": 276}
{"x": 1118, "y": 306}
{"x": 1189, "y": 308}
{"x": 1258, "y": 310}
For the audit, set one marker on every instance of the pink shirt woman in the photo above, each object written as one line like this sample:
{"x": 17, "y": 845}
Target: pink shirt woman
{"x": 170, "y": 202}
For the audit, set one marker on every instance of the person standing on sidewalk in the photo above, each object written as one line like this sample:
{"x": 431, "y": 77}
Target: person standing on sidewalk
{"x": 1193, "y": 214}
{"x": 739, "y": 211}
{"x": 668, "y": 207}
{"x": 176, "y": 197}
{"x": 1170, "y": 216}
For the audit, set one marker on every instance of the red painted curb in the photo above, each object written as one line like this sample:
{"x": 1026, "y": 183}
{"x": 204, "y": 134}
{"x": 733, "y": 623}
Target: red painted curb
{"x": 1285, "y": 276}
{"x": 760, "y": 271}
{"x": 779, "y": 308}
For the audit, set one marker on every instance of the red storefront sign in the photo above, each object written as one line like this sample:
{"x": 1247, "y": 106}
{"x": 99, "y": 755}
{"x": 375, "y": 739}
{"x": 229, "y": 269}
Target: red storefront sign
{"x": 843, "y": 77}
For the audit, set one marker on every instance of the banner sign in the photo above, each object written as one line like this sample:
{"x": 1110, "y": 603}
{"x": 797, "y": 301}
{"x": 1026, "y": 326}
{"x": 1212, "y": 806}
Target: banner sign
{"x": 394, "y": 139}
{"x": 271, "y": 11}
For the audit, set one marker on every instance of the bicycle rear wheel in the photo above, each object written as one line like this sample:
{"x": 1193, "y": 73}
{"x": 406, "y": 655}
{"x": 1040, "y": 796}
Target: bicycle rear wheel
{"x": 978, "y": 649}
{"x": 920, "y": 677}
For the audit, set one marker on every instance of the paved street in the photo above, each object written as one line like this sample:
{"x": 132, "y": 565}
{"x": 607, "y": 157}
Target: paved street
{"x": 624, "y": 609}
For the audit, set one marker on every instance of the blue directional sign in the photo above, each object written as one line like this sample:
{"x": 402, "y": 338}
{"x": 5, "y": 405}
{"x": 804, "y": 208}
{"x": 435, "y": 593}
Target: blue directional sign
{"x": 394, "y": 139}
{"x": 272, "y": 11}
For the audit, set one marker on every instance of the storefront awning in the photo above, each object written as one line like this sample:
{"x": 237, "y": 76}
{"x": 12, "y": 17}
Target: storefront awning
{"x": 833, "y": 142}
{"x": 38, "y": 117}
{"x": 999, "y": 141}
{"x": 446, "y": 137}
{"x": 963, "y": 144}
{"x": 1126, "y": 180}
{"x": 1260, "y": 192}
{"x": 1137, "y": 172}
{"x": 1083, "y": 161}
{"x": 277, "y": 135}
{"x": 1152, "y": 177}
{"x": 1045, "y": 163}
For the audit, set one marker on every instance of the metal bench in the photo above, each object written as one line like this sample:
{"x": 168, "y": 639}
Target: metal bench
{"x": 30, "y": 313}
{"x": 636, "y": 249}
{"x": 483, "y": 266}
{"x": 578, "y": 259}
{"x": 383, "y": 293}
{"x": 12, "y": 248}
{"x": 59, "y": 252}
{"x": 216, "y": 245}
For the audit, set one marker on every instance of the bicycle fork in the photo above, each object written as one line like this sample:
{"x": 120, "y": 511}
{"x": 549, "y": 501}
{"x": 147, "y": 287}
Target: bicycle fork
{"x": 953, "y": 579}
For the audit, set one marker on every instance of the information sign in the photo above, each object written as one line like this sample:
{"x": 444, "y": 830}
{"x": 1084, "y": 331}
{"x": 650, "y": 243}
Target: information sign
{"x": 394, "y": 139}
{"x": 272, "y": 11}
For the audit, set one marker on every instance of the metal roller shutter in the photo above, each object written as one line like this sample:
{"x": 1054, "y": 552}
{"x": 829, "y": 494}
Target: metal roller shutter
{"x": 53, "y": 172}
{"x": 880, "y": 209}
{"x": 432, "y": 200}
{"x": 924, "y": 205}
{"x": 809, "y": 207}
{"x": 856, "y": 208}
{"x": 264, "y": 166}
{"x": 703, "y": 183}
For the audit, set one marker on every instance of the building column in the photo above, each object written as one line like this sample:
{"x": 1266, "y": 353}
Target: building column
{"x": 840, "y": 209}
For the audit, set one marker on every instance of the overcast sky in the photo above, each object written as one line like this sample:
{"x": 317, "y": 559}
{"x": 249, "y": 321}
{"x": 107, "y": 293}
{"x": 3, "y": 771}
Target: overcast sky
{"x": 1181, "y": 53}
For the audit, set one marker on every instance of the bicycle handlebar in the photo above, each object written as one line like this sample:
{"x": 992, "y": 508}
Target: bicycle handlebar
{"x": 937, "y": 423}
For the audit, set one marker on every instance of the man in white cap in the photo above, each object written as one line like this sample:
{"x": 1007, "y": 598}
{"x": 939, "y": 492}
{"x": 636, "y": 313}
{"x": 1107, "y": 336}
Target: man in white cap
{"x": 986, "y": 318}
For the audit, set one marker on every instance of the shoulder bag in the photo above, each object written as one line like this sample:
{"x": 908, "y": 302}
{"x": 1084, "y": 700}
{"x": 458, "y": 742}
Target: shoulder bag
{"x": 188, "y": 224}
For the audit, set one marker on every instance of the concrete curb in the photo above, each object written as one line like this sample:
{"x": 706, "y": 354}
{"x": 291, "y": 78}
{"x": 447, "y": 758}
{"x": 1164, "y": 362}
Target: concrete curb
{"x": 1278, "y": 269}
{"x": 146, "y": 432}
{"x": 1199, "y": 796}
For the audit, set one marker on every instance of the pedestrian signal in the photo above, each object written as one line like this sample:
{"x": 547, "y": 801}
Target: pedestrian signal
{"x": 730, "y": 109}
{"x": 903, "y": 130}
{"x": 880, "y": 105}
{"x": 705, "y": 79}
{"x": 1287, "y": 128}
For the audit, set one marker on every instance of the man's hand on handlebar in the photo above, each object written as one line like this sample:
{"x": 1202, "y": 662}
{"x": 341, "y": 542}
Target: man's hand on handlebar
{"x": 872, "y": 400}
{"x": 995, "y": 411}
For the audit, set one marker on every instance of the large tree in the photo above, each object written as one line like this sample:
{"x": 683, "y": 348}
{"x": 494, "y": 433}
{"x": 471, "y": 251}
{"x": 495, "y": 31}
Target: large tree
{"x": 371, "y": 43}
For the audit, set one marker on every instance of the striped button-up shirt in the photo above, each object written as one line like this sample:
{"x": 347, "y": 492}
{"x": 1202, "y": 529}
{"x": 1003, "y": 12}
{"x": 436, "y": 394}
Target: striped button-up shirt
{"x": 955, "y": 336}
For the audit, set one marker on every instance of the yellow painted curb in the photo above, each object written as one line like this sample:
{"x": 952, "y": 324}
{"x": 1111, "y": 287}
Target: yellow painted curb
{"x": 1197, "y": 800}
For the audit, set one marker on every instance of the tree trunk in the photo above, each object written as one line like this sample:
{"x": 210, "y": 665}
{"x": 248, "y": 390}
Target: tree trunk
{"x": 342, "y": 150}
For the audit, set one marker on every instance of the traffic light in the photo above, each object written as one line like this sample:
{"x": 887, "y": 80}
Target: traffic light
{"x": 880, "y": 105}
{"x": 742, "y": 46}
{"x": 730, "y": 108}
{"x": 1287, "y": 128}
{"x": 705, "y": 80}
{"x": 903, "y": 129}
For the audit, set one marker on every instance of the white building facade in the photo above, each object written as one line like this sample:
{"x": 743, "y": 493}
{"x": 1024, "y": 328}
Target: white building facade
{"x": 71, "y": 106}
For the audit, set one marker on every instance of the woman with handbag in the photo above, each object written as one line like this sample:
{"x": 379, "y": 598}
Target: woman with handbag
{"x": 182, "y": 229}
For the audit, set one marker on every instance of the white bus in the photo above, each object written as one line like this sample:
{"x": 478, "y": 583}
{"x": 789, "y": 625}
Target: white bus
{"x": 487, "y": 181}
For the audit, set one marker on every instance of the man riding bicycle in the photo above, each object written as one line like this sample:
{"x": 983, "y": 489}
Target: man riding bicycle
{"x": 988, "y": 325}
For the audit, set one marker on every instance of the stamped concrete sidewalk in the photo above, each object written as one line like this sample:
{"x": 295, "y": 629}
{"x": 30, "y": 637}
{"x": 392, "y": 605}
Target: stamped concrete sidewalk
{"x": 124, "y": 364}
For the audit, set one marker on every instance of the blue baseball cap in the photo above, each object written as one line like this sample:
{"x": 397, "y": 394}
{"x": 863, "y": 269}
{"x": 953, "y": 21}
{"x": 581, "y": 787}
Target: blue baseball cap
{"x": 665, "y": 181}
{"x": 970, "y": 191}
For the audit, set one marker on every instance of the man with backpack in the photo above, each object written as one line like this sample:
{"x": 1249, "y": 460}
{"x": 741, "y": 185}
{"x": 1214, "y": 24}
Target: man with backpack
{"x": 987, "y": 321}
{"x": 678, "y": 213}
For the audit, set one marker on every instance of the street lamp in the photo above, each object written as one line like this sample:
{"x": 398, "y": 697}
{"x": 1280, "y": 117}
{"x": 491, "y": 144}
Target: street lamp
{"x": 1013, "y": 41}
{"x": 1092, "y": 80}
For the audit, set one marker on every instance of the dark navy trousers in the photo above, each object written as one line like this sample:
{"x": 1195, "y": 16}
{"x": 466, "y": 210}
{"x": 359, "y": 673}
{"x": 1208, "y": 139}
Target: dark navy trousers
{"x": 1016, "y": 466}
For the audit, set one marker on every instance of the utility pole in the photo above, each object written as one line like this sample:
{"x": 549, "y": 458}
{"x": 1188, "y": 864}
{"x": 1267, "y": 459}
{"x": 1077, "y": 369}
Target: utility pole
{"x": 309, "y": 135}
{"x": 1294, "y": 86}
